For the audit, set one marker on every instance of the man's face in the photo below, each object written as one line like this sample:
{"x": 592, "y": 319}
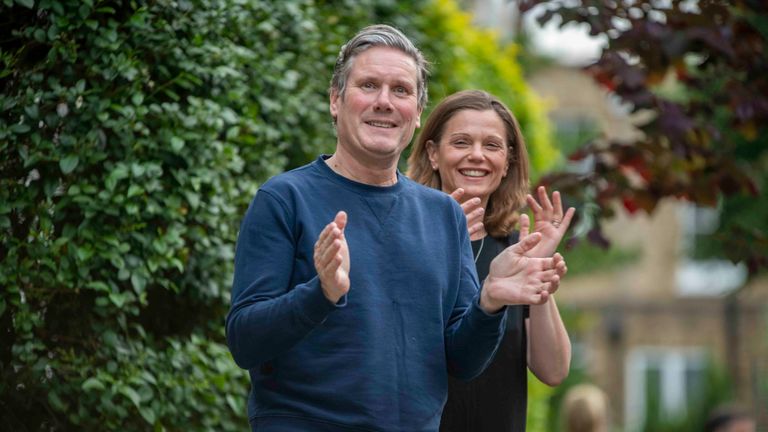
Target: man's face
{"x": 378, "y": 113}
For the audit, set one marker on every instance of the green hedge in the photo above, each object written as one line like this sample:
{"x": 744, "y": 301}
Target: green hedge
{"x": 133, "y": 135}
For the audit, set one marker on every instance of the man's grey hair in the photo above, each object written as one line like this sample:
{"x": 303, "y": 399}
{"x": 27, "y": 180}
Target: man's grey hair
{"x": 379, "y": 35}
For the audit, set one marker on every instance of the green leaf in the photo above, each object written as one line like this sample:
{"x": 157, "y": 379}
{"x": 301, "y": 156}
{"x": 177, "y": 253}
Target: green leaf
{"x": 132, "y": 395}
{"x": 20, "y": 128}
{"x": 117, "y": 299}
{"x": 26, "y": 3}
{"x": 69, "y": 163}
{"x": 139, "y": 282}
{"x": 177, "y": 144}
{"x": 135, "y": 190}
{"x": 147, "y": 414}
{"x": 93, "y": 383}
{"x": 98, "y": 286}
{"x": 56, "y": 402}
{"x": 32, "y": 111}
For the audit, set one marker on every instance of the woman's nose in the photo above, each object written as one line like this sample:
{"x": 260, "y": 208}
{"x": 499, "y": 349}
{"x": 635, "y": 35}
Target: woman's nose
{"x": 476, "y": 152}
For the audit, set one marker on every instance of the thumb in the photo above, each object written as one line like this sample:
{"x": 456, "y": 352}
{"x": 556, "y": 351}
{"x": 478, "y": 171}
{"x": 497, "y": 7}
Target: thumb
{"x": 341, "y": 220}
{"x": 527, "y": 243}
{"x": 525, "y": 225}
{"x": 457, "y": 194}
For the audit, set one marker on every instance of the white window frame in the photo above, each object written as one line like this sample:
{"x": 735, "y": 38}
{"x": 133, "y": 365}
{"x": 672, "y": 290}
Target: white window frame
{"x": 672, "y": 362}
{"x": 704, "y": 278}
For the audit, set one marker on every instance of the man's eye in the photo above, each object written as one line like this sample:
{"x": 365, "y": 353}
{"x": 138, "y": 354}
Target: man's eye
{"x": 369, "y": 85}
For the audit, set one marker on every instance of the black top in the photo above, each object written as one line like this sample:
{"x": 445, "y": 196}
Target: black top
{"x": 495, "y": 401}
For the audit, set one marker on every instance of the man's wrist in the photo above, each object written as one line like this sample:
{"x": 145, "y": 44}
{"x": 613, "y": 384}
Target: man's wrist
{"x": 486, "y": 302}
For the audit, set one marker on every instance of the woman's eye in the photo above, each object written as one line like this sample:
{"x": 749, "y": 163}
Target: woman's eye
{"x": 460, "y": 143}
{"x": 493, "y": 146}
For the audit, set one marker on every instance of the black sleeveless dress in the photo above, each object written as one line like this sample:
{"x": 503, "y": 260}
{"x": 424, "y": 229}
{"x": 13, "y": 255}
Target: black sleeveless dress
{"x": 495, "y": 401}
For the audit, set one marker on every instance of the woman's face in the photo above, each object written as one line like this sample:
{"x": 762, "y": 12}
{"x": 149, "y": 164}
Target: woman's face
{"x": 472, "y": 153}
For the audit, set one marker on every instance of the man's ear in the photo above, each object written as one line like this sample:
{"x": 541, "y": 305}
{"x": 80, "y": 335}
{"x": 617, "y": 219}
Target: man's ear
{"x": 333, "y": 103}
{"x": 432, "y": 153}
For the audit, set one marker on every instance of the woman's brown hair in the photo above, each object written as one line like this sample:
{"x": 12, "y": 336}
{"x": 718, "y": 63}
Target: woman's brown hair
{"x": 501, "y": 212}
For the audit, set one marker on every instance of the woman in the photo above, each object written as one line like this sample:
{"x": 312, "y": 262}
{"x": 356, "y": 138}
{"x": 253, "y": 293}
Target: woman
{"x": 471, "y": 146}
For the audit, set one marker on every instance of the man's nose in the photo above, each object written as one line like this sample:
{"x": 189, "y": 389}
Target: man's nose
{"x": 383, "y": 100}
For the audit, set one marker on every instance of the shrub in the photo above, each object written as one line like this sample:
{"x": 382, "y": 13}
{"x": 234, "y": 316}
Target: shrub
{"x": 132, "y": 138}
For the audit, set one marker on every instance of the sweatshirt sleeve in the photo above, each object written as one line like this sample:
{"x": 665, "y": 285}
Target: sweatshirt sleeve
{"x": 268, "y": 315}
{"x": 472, "y": 336}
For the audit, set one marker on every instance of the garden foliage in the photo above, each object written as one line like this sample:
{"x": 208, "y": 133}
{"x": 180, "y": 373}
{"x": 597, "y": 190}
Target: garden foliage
{"x": 132, "y": 137}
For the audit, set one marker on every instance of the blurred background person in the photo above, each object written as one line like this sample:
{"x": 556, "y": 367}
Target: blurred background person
{"x": 585, "y": 409}
{"x": 730, "y": 418}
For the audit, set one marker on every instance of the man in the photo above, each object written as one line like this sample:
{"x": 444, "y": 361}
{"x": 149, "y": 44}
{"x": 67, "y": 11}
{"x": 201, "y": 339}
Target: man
{"x": 354, "y": 324}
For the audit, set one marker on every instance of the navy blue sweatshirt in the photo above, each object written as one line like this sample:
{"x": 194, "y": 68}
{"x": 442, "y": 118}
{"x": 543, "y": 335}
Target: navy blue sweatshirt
{"x": 378, "y": 359}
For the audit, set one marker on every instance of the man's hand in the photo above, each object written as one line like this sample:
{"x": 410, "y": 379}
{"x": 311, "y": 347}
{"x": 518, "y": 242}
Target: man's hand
{"x": 549, "y": 220}
{"x": 332, "y": 259}
{"x": 515, "y": 278}
{"x": 472, "y": 210}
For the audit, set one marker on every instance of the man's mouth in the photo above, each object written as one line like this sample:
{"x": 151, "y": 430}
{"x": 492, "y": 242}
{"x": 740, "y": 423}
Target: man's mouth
{"x": 381, "y": 124}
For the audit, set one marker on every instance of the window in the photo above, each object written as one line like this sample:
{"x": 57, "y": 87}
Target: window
{"x": 704, "y": 277}
{"x": 663, "y": 382}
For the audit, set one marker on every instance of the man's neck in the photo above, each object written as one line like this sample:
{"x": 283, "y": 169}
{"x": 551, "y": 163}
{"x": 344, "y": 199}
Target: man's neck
{"x": 370, "y": 174}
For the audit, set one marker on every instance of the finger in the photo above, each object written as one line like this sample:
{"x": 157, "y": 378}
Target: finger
{"x": 557, "y": 203}
{"x": 533, "y": 204}
{"x": 470, "y": 205}
{"x": 525, "y": 225}
{"x": 457, "y": 194}
{"x": 554, "y": 284}
{"x": 332, "y": 233}
{"x": 544, "y": 199}
{"x": 322, "y": 239}
{"x": 543, "y": 297}
{"x": 328, "y": 255}
{"x": 546, "y": 275}
{"x": 478, "y": 227}
{"x": 527, "y": 243}
{"x": 561, "y": 269}
{"x": 567, "y": 218}
{"x": 329, "y": 268}
{"x": 475, "y": 216}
